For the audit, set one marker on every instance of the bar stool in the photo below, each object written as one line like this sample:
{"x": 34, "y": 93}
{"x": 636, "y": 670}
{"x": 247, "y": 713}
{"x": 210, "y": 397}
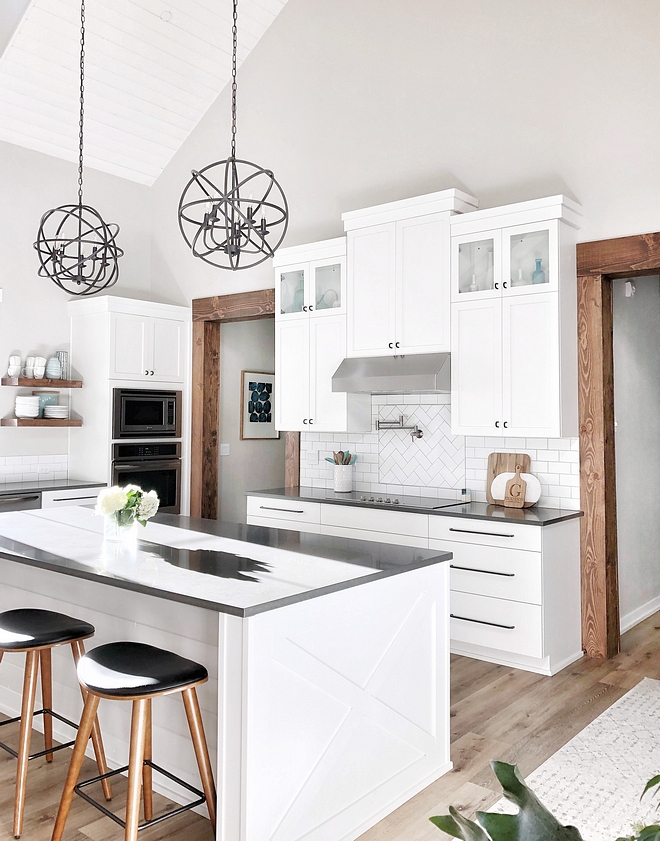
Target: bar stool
{"x": 36, "y": 632}
{"x": 133, "y": 671}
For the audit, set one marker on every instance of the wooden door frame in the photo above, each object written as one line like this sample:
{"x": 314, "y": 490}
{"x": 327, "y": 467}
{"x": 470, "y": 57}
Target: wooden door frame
{"x": 598, "y": 264}
{"x": 208, "y": 315}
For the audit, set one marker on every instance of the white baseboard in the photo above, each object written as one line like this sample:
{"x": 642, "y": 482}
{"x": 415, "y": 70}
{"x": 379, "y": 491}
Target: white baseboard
{"x": 541, "y": 666}
{"x": 639, "y": 614}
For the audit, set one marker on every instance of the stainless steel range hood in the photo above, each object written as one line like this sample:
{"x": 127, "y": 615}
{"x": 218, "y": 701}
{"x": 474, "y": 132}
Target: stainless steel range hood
{"x": 394, "y": 374}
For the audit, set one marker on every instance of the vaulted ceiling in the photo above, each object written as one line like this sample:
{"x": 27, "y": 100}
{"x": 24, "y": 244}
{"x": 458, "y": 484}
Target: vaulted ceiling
{"x": 153, "y": 68}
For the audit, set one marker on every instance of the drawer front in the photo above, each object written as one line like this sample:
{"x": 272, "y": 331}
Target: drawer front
{"x": 497, "y": 623}
{"x": 291, "y": 525}
{"x": 376, "y": 536}
{"x": 294, "y": 510}
{"x": 74, "y": 496}
{"x": 375, "y": 519}
{"x": 485, "y": 532}
{"x": 493, "y": 571}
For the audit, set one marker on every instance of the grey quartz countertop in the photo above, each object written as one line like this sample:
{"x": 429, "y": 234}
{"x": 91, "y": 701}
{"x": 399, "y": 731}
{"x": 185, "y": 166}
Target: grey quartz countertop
{"x": 226, "y": 567}
{"x": 32, "y": 486}
{"x": 475, "y": 510}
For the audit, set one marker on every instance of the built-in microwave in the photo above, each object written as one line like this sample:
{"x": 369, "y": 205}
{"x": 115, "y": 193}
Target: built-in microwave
{"x": 146, "y": 413}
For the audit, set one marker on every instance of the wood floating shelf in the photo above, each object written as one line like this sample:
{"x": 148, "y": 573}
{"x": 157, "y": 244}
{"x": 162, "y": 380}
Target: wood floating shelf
{"x": 40, "y": 422}
{"x": 44, "y": 382}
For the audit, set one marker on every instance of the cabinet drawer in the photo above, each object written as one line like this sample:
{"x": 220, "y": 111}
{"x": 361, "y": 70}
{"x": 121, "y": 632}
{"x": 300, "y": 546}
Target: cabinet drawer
{"x": 289, "y": 525}
{"x": 494, "y": 571}
{"x": 74, "y": 496}
{"x": 375, "y": 519}
{"x": 294, "y": 510}
{"x": 497, "y": 623}
{"x": 376, "y": 536}
{"x": 485, "y": 532}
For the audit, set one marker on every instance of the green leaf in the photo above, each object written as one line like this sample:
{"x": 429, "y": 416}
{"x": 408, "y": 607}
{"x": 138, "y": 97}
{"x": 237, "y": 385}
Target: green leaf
{"x": 457, "y": 826}
{"x": 652, "y": 783}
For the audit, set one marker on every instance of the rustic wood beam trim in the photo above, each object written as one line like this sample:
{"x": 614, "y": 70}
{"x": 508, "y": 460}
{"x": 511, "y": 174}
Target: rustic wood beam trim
{"x": 205, "y": 419}
{"x": 241, "y": 306}
{"x": 622, "y": 257}
{"x": 599, "y": 560}
{"x": 292, "y": 460}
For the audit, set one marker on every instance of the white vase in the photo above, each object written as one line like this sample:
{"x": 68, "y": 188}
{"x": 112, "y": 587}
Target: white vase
{"x": 119, "y": 534}
{"x": 343, "y": 478}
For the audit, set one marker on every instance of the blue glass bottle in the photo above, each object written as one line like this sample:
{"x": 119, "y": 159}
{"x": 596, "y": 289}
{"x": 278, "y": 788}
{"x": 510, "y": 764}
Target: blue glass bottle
{"x": 538, "y": 275}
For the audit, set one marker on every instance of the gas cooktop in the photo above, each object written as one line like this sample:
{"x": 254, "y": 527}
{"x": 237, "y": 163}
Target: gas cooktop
{"x": 426, "y": 503}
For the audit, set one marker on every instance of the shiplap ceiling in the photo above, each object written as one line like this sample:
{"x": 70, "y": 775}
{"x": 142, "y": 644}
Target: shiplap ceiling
{"x": 153, "y": 68}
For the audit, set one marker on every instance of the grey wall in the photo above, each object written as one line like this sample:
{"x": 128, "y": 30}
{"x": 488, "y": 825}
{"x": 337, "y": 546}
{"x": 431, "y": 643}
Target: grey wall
{"x": 637, "y": 409}
{"x": 245, "y": 345}
{"x": 355, "y": 102}
{"x": 33, "y": 311}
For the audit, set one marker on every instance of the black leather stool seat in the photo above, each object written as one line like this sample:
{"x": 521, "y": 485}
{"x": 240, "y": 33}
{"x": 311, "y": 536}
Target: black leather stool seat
{"x": 125, "y": 669}
{"x": 32, "y": 628}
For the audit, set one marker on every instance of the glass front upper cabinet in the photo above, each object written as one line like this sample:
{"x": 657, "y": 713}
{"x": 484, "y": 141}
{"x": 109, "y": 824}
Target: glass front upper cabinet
{"x": 530, "y": 255}
{"x": 476, "y": 259}
{"x": 292, "y": 291}
{"x": 327, "y": 292}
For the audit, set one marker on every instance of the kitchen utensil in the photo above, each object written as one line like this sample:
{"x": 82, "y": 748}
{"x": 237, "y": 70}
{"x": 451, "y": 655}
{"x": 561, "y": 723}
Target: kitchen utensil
{"x": 532, "y": 492}
{"x": 514, "y": 493}
{"x": 347, "y": 458}
{"x": 331, "y": 460}
{"x": 353, "y": 459}
{"x": 340, "y": 457}
{"x": 504, "y": 463}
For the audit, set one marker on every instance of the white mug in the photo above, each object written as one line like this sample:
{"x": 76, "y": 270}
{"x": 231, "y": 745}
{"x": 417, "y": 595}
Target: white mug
{"x": 39, "y": 361}
{"x": 14, "y": 371}
{"x": 29, "y": 371}
{"x": 39, "y": 372}
{"x": 29, "y": 362}
{"x": 15, "y": 360}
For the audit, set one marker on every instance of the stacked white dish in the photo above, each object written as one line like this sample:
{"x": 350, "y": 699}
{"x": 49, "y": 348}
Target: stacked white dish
{"x": 59, "y": 412}
{"x": 27, "y": 407}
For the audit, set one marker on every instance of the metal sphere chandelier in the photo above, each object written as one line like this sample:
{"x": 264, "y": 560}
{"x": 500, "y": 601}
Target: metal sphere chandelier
{"x": 77, "y": 250}
{"x": 233, "y": 214}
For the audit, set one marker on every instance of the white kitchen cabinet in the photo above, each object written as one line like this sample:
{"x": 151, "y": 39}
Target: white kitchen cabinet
{"x": 310, "y": 280}
{"x": 66, "y": 497}
{"x": 398, "y": 275}
{"x": 514, "y": 320}
{"x": 146, "y": 348}
{"x": 307, "y": 353}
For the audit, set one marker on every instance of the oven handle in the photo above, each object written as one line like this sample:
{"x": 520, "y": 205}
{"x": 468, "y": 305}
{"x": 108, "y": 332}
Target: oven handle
{"x": 136, "y": 465}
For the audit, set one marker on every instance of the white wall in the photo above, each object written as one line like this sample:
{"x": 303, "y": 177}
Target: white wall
{"x": 250, "y": 465}
{"x": 356, "y": 102}
{"x": 33, "y": 315}
{"x": 637, "y": 409}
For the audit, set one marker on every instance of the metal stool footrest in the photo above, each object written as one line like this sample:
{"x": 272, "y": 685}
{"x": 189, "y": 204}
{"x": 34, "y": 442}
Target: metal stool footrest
{"x": 55, "y": 748}
{"x": 200, "y": 795}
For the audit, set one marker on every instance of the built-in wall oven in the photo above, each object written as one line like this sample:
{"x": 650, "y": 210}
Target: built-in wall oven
{"x": 154, "y": 467}
{"x": 146, "y": 413}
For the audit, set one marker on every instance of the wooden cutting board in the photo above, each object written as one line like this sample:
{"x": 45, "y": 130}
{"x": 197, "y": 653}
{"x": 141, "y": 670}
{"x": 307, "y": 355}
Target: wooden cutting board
{"x": 505, "y": 463}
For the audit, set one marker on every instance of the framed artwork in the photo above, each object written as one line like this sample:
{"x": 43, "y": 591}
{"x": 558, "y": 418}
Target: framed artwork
{"x": 257, "y": 406}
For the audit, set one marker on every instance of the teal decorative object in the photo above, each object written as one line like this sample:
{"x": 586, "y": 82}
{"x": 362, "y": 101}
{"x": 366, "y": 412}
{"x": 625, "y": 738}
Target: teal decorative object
{"x": 538, "y": 275}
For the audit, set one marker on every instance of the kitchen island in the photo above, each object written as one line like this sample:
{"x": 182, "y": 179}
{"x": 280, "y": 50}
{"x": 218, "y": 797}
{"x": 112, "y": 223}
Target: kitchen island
{"x": 328, "y": 700}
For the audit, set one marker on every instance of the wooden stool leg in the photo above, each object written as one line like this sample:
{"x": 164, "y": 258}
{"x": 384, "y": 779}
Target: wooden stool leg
{"x": 147, "y": 771}
{"x": 47, "y": 698}
{"x": 27, "y": 711}
{"x": 136, "y": 757}
{"x": 78, "y": 649}
{"x": 84, "y": 732}
{"x": 194, "y": 716}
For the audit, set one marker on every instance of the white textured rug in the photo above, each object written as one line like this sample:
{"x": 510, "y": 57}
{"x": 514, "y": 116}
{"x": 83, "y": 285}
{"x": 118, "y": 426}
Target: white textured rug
{"x": 594, "y": 782}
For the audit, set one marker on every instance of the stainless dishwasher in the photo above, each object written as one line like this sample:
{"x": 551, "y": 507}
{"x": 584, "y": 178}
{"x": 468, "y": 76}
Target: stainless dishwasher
{"x": 19, "y": 501}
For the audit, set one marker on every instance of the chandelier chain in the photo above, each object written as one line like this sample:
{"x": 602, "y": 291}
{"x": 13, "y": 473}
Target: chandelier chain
{"x": 234, "y": 34}
{"x": 81, "y": 119}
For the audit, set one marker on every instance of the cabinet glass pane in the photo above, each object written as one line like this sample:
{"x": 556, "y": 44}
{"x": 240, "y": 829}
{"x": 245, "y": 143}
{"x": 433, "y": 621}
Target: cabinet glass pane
{"x": 529, "y": 258}
{"x": 327, "y": 287}
{"x": 292, "y": 291}
{"x": 475, "y": 266}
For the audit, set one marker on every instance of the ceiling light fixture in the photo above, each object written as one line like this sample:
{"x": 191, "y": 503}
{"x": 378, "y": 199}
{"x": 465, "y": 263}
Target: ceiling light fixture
{"x": 233, "y": 213}
{"x": 78, "y": 250}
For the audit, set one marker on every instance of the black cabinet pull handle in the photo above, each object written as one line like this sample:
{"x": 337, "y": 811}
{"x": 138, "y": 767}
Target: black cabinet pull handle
{"x": 146, "y": 373}
{"x": 497, "y": 424}
{"x": 311, "y": 308}
{"x": 7, "y": 500}
{"x": 487, "y": 533}
{"x": 304, "y": 420}
{"x": 483, "y": 622}
{"x": 497, "y": 286}
{"x": 505, "y": 424}
{"x": 485, "y": 571}
{"x": 152, "y": 373}
{"x": 391, "y": 345}
{"x": 397, "y": 344}
{"x": 311, "y": 420}
{"x": 288, "y": 510}
{"x": 504, "y": 285}
{"x": 304, "y": 309}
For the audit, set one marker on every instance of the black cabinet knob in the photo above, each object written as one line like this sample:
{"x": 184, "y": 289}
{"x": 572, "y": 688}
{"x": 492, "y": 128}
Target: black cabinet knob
{"x": 146, "y": 373}
{"x": 397, "y": 344}
{"x": 311, "y": 308}
{"x": 311, "y": 420}
{"x": 504, "y": 285}
{"x": 505, "y": 424}
{"x": 391, "y": 345}
{"x": 304, "y": 420}
{"x": 152, "y": 373}
{"x": 497, "y": 424}
{"x": 304, "y": 309}
{"x": 497, "y": 286}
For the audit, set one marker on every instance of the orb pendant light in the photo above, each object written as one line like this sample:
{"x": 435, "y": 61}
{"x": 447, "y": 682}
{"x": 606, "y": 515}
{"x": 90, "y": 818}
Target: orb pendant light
{"x": 233, "y": 213}
{"x": 77, "y": 249}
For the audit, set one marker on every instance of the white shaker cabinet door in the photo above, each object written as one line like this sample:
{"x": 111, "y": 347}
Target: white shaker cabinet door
{"x": 371, "y": 269}
{"x": 422, "y": 284}
{"x": 327, "y": 349}
{"x": 129, "y": 347}
{"x": 166, "y": 350}
{"x": 292, "y": 375}
{"x": 476, "y": 367}
{"x": 530, "y": 365}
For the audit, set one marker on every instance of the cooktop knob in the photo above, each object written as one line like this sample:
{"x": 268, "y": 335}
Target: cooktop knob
{"x": 371, "y": 499}
{"x": 380, "y": 499}
{"x": 395, "y": 501}
{"x": 388, "y": 501}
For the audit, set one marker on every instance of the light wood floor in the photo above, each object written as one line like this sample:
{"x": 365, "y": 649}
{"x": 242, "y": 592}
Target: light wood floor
{"x": 497, "y": 713}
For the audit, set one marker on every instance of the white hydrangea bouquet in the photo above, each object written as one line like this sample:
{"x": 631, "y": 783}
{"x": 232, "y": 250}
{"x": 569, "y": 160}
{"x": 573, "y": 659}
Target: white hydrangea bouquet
{"x": 124, "y": 507}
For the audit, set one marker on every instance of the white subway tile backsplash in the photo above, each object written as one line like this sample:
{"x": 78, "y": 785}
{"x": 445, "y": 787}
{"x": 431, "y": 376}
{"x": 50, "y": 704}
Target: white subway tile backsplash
{"x": 26, "y": 468}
